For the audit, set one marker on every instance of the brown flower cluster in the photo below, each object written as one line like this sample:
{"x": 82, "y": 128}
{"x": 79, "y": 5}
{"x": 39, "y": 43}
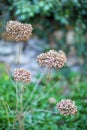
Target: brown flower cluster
{"x": 52, "y": 58}
{"x": 18, "y": 31}
{"x": 67, "y": 107}
{"x": 22, "y": 75}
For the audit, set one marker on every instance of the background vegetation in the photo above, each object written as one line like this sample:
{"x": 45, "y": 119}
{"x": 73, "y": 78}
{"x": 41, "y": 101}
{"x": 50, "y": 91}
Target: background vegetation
{"x": 69, "y": 85}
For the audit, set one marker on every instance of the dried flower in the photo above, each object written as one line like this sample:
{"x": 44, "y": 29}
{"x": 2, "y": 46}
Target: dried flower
{"x": 52, "y": 59}
{"x": 52, "y": 100}
{"x": 22, "y": 75}
{"x": 18, "y": 31}
{"x": 67, "y": 107}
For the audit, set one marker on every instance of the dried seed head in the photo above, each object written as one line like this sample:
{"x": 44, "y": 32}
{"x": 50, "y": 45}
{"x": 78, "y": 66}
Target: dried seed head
{"x": 18, "y": 31}
{"x": 22, "y": 75}
{"x": 52, "y": 59}
{"x": 52, "y": 100}
{"x": 67, "y": 107}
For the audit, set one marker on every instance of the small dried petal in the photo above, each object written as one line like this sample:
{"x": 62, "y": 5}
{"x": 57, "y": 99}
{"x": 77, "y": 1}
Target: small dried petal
{"x": 22, "y": 75}
{"x": 67, "y": 107}
{"x": 52, "y": 58}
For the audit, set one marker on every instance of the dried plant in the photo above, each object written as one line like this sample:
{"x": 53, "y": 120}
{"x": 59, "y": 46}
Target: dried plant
{"x": 67, "y": 107}
{"x": 18, "y": 31}
{"x": 52, "y": 58}
{"x": 22, "y": 75}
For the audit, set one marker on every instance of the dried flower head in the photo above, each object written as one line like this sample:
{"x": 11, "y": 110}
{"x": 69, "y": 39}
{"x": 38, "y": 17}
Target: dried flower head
{"x": 67, "y": 107}
{"x": 52, "y": 58}
{"x": 52, "y": 100}
{"x": 18, "y": 31}
{"x": 22, "y": 75}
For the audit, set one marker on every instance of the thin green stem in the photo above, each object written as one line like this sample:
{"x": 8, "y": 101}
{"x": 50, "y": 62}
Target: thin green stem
{"x": 6, "y": 112}
{"x": 8, "y": 73}
{"x": 47, "y": 82}
{"x": 35, "y": 88}
{"x": 49, "y": 73}
{"x": 21, "y": 118}
{"x": 17, "y": 101}
{"x": 46, "y": 111}
{"x": 19, "y": 53}
{"x": 39, "y": 99}
{"x": 48, "y": 79}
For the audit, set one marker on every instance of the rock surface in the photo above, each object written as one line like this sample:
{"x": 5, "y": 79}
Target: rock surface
{"x": 29, "y": 52}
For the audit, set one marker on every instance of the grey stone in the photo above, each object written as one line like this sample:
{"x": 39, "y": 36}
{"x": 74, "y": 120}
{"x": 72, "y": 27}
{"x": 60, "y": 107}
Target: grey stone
{"x": 58, "y": 34}
{"x": 71, "y": 61}
{"x": 70, "y": 37}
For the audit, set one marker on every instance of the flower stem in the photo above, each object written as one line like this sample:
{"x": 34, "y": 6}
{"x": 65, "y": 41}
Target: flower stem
{"x": 46, "y": 111}
{"x": 41, "y": 98}
{"x": 19, "y": 53}
{"x": 21, "y": 118}
{"x": 35, "y": 87}
{"x": 49, "y": 73}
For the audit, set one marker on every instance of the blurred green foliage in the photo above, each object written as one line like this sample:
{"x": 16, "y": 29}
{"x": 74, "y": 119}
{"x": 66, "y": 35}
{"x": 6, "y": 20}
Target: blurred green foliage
{"x": 48, "y": 14}
{"x": 69, "y": 85}
{"x": 63, "y": 11}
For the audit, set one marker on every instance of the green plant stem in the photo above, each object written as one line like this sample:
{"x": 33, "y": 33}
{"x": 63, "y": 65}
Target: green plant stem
{"x": 14, "y": 123}
{"x": 46, "y": 111}
{"x": 17, "y": 102}
{"x": 48, "y": 79}
{"x": 21, "y": 118}
{"x": 43, "y": 97}
{"x": 47, "y": 82}
{"x": 6, "y": 112}
{"x": 17, "y": 98}
{"x": 35, "y": 87}
{"x": 7, "y": 72}
{"x": 49, "y": 73}
{"x": 19, "y": 114}
{"x": 19, "y": 53}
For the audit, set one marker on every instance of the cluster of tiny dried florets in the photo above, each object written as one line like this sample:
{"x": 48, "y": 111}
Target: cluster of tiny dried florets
{"x": 52, "y": 58}
{"x": 22, "y": 75}
{"x": 67, "y": 107}
{"x": 18, "y": 31}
